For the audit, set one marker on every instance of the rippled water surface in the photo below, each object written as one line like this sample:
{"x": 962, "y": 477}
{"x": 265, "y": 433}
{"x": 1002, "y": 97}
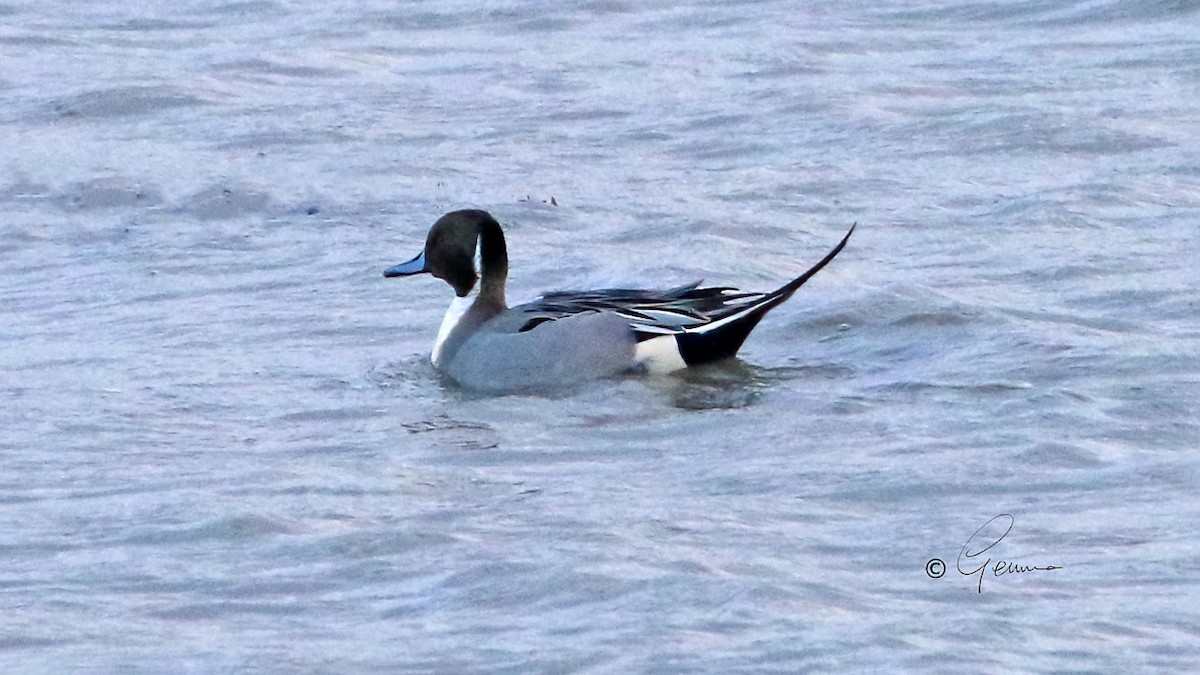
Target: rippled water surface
{"x": 223, "y": 447}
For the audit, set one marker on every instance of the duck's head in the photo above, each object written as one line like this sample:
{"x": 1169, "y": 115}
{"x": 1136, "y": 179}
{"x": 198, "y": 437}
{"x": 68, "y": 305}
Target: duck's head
{"x": 462, "y": 248}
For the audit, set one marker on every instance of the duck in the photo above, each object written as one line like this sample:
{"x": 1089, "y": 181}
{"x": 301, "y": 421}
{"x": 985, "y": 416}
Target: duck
{"x": 564, "y": 338}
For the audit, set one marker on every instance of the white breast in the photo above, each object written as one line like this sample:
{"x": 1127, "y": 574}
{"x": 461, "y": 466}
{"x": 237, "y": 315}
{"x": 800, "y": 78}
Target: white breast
{"x": 454, "y": 313}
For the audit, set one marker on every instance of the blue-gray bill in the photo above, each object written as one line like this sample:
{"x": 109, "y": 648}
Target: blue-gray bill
{"x": 404, "y": 269}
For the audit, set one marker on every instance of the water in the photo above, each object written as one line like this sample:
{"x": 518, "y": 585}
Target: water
{"x": 224, "y": 449}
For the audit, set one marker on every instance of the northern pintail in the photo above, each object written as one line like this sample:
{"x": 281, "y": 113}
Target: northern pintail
{"x": 569, "y": 336}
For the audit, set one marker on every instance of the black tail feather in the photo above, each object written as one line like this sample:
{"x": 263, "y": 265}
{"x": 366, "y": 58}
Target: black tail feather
{"x": 725, "y": 339}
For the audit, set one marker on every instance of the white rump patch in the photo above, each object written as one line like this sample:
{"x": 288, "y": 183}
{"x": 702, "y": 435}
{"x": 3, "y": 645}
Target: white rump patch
{"x": 659, "y": 355}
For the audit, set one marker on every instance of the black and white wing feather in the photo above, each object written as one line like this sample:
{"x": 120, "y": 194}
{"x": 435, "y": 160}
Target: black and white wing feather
{"x": 649, "y": 312}
{"x": 708, "y": 323}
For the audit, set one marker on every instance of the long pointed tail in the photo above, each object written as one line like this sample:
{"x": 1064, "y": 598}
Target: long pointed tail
{"x": 724, "y": 337}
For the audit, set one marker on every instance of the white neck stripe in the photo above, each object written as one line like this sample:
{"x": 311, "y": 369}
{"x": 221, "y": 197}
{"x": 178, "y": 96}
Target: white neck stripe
{"x": 454, "y": 313}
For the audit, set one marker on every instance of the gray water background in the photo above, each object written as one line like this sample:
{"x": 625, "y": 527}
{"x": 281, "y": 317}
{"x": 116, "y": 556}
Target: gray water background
{"x": 222, "y": 446}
